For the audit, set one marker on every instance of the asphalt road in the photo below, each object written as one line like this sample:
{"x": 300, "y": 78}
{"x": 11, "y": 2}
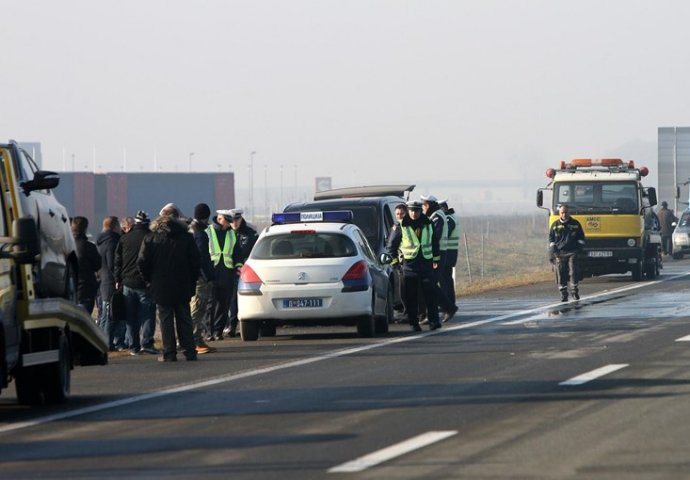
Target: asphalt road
{"x": 518, "y": 385}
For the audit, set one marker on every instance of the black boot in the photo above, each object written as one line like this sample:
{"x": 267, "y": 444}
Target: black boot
{"x": 564, "y": 295}
{"x": 575, "y": 294}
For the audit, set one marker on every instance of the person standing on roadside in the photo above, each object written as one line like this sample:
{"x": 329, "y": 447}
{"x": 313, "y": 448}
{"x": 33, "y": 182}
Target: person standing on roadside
{"x": 106, "y": 243}
{"x": 246, "y": 238}
{"x": 433, "y": 211}
{"x": 139, "y": 305}
{"x": 420, "y": 251}
{"x": 201, "y": 301}
{"x": 399, "y": 314}
{"x": 666, "y": 219}
{"x": 225, "y": 254}
{"x": 447, "y": 280}
{"x": 566, "y": 240}
{"x": 169, "y": 263}
{"x": 89, "y": 264}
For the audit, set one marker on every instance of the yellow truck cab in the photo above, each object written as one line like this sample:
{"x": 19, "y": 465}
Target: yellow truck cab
{"x": 607, "y": 197}
{"x": 43, "y": 332}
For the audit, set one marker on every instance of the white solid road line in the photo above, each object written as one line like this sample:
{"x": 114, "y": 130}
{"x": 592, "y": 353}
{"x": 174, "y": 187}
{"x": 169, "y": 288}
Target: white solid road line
{"x": 594, "y": 374}
{"x": 295, "y": 363}
{"x": 683, "y": 339}
{"x": 389, "y": 453}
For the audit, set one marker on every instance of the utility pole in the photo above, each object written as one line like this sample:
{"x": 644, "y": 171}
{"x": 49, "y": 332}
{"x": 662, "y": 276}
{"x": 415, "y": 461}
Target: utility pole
{"x": 251, "y": 184}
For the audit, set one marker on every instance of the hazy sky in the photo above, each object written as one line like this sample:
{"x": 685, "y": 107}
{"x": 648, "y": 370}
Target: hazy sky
{"x": 365, "y": 91}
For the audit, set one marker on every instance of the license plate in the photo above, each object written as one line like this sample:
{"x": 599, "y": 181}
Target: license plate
{"x": 600, "y": 253}
{"x": 302, "y": 302}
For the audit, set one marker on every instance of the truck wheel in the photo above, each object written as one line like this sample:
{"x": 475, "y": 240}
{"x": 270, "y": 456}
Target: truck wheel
{"x": 249, "y": 330}
{"x": 650, "y": 268}
{"x": 636, "y": 270}
{"x": 58, "y": 375}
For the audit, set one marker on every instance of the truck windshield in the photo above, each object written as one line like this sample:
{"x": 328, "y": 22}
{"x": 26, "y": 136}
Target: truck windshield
{"x": 597, "y": 197}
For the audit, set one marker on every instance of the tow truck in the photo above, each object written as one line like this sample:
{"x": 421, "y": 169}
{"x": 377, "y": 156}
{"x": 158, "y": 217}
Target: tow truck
{"x": 607, "y": 197}
{"x": 43, "y": 332}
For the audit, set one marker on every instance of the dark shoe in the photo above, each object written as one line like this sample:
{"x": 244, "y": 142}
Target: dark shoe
{"x": 576, "y": 295}
{"x": 434, "y": 326}
{"x": 416, "y": 328}
{"x": 227, "y": 330}
{"x": 424, "y": 322}
{"x": 162, "y": 358}
{"x": 190, "y": 358}
{"x": 233, "y": 332}
{"x": 564, "y": 296}
{"x": 149, "y": 350}
{"x": 450, "y": 314}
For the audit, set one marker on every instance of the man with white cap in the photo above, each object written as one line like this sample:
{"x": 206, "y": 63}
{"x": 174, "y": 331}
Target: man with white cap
{"x": 246, "y": 238}
{"x": 431, "y": 209}
{"x": 226, "y": 254}
{"x": 420, "y": 254}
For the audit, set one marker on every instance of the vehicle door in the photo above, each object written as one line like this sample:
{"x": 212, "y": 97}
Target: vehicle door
{"x": 379, "y": 276}
{"x": 8, "y": 289}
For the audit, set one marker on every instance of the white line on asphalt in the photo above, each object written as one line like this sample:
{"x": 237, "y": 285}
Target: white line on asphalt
{"x": 683, "y": 339}
{"x": 389, "y": 453}
{"x": 282, "y": 366}
{"x": 594, "y": 374}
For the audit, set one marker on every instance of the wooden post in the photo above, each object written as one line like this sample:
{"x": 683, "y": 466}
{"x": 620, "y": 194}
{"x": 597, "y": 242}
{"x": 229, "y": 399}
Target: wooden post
{"x": 467, "y": 254}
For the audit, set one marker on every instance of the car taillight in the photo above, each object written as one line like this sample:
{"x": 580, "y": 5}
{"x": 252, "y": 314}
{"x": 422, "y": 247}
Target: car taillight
{"x": 356, "y": 279}
{"x": 250, "y": 283}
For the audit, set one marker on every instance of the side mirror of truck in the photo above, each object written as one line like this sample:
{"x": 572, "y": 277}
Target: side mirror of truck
{"x": 540, "y": 198}
{"x": 25, "y": 243}
{"x": 651, "y": 195}
{"x": 43, "y": 180}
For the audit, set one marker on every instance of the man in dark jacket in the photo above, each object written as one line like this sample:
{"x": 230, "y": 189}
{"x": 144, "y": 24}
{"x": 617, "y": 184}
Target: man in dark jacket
{"x": 140, "y": 308}
{"x": 89, "y": 264}
{"x": 420, "y": 250}
{"x": 106, "y": 243}
{"x": 169, "y": 262}
{"x": 566, "y": 240}
{"x": 246, "y": 238}
{"x": 666, "y": 219}
{"x": 201, "y": 301}
{"x": 225, "y": 254}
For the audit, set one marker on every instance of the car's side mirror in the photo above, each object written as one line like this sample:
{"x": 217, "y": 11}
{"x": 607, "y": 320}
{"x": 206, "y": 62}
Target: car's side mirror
{"x": 43, "y": 180}
{"x": 651, "y": 196}
{"x": 385, "y": 258}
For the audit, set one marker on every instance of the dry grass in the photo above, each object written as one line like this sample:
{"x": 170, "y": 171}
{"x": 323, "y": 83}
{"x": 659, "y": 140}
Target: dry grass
{"x": 504, "y": 251}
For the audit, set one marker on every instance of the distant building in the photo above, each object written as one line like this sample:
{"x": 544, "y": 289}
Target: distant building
{"x": 95, "y": 196}
{"x": 674, "y": 165}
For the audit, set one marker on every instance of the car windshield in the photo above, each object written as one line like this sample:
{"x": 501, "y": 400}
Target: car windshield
{"x": 303, "y": 244}
{"x": 597, "y": 197}
{"x": 684, "y": 219}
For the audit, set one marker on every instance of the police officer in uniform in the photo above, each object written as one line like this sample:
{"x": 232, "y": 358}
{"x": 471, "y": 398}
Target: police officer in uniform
{"x": 246, "y": 238}
{"x": 447, "y": 280}
{"x": 433, "y": 211}
{"x": 420, "y": 250}
{"x": 226, "y": 254}
{"x": 566, "y": 240}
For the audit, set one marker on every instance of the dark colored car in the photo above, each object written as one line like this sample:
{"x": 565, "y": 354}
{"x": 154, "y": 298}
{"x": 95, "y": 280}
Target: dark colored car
{"x": 373, "y": 208}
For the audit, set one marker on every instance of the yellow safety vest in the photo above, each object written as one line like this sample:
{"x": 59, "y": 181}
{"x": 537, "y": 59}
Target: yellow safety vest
{"x": 215, "y": 250}
{"x": 410, "y": 244}
{"x": 454, "y": 236}
{"x": 443, "y": 242}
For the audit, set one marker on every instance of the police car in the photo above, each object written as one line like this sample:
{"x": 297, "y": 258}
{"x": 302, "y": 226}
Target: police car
{"x": 313, "y": 268}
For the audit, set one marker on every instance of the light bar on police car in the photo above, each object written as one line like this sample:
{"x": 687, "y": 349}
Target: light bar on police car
{"x": 307, "y": 217}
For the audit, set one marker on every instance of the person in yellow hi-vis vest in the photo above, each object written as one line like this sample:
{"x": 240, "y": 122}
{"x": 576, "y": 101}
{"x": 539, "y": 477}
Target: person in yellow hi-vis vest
{"x": 447, "y": 281}
{"x": 420, "y": 250}
{"x": 226, "y": 256}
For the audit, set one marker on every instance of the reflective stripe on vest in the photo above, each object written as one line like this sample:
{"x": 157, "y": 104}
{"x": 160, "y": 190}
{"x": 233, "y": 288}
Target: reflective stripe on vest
{"x": 214, "y": 247}
{"x": 454, "y": 236}
{"x": 409, "y": 246}
{"x": 443, "y": 242}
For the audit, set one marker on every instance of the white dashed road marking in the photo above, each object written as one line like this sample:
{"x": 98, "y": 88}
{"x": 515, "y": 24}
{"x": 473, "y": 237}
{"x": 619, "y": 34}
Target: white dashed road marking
{"x": 389, "y": 453}
{"x": 683, "y": 339}
{"x": 594, "y": 374}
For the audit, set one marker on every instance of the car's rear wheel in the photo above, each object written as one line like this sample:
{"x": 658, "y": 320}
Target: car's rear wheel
{"x": 249, "y": 330}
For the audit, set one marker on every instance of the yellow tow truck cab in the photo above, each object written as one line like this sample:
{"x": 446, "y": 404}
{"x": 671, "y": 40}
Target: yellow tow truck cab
{"x": 608, "y": 199}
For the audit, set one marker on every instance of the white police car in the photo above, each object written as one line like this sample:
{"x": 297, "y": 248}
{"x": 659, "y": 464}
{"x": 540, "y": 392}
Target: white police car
{"x": 313, "y": 268}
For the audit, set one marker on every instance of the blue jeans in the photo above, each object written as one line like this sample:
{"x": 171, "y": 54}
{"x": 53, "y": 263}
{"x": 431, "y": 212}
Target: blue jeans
{"x": 115, "y": 331}
{"x": 141, "y": 317}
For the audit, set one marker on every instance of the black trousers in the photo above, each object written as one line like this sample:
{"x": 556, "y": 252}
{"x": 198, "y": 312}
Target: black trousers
{"x": 176, "y": 317}
{"x": 427, "y": 285}
{"x": 221, "y": 295}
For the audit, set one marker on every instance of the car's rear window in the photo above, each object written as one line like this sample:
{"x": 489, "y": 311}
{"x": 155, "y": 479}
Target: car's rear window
{"x": 304, "y": 244}
{"x": 364, "y": 216}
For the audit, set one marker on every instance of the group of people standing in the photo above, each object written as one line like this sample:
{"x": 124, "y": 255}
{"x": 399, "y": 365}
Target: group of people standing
{"x": 423, "y": 246}
{"x": 182, "y": 271}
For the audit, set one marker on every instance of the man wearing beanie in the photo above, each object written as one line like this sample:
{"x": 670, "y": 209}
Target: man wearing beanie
{"x": 201, "y": 301}
{"x": 141, "y": 311}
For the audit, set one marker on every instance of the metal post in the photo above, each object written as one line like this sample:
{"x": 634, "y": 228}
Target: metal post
{"x": 675, "y": 166}
{"x": 482, "y": 255}
{"x": 251, "y": 184}
{"x": 467, "y": 254}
